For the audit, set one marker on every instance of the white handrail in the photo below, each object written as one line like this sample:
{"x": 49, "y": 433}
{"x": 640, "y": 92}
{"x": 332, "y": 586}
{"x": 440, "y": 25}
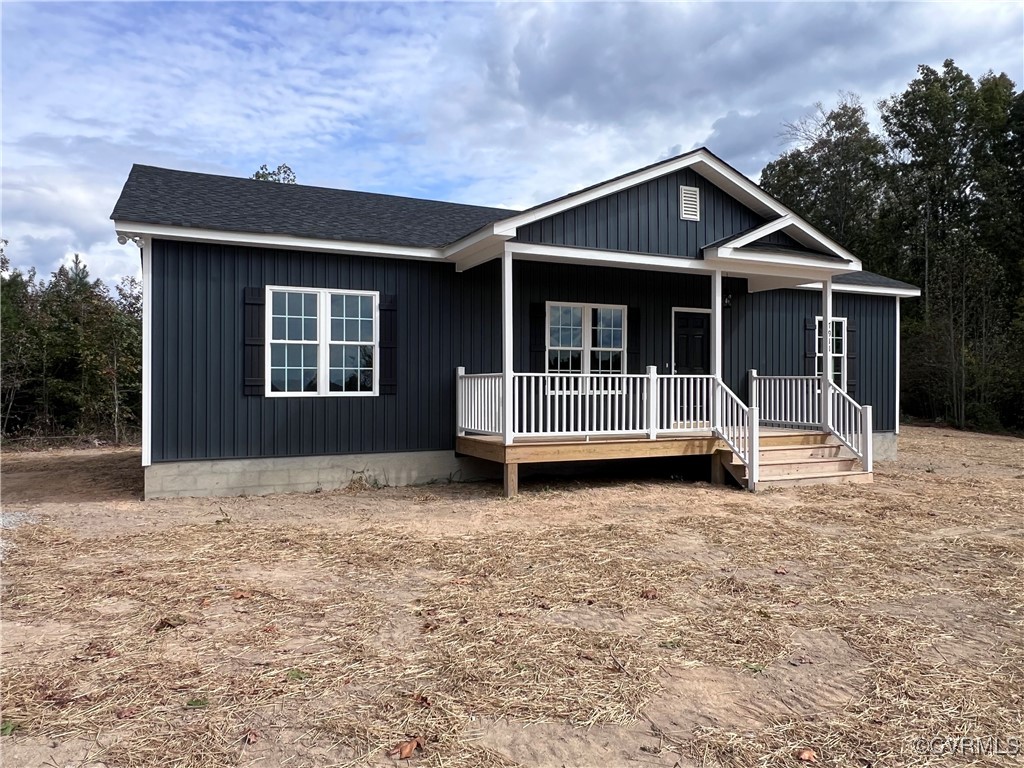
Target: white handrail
{"x": 851, "y": 423}
{"x": 739, "y": 426}
{"x": 478, "y": 403}
{"x": 787, "y": 401}
{"x": 605, "y": 404}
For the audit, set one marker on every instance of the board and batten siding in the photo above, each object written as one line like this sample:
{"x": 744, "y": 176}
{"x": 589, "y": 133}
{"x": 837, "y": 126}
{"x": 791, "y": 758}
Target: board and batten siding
{"x": 765, "y": 331}
{"x": 645, "y": 219}
{"x": 444, "y": 320}
{"x": 648, "y": 296}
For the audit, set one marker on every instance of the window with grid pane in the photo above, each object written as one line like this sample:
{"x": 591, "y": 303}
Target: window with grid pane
{"x": 352, "y": 348}
{"x": 293, "y": 341}
{"x": 584, "y": 338}
{"x": 322, "y": 342}
{"x": 837, "y": 353}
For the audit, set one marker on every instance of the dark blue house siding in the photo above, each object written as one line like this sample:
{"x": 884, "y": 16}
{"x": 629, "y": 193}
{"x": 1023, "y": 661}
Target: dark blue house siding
{"x": 445, "y": 319}
{"x": 648, "y": 296}
{"x": 765, "y": 331}
{"x": 645, "y": 219}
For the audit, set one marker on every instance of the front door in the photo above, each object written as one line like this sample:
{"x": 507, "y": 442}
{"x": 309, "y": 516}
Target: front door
{"x": 691, "y": 351}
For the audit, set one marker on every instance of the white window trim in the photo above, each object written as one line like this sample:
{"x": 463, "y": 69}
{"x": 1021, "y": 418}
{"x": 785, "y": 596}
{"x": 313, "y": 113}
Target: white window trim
{"x": 587, "y": 331}
{"x": 819, "y": 346}
{"x": 683, "y": 189}
{"x": 323, "y": 342}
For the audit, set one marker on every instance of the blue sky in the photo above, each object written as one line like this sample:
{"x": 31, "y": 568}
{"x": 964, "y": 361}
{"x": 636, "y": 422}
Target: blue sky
{"x": 502, "y": 105}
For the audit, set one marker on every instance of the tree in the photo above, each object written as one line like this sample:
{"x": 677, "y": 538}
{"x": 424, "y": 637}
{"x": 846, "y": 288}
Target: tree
{"x": 934, "y": 199}
{"x": 833, "y": 174}
{"x": 282, "y": 174}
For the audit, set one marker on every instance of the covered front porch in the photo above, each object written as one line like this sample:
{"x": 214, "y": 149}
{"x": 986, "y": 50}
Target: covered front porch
{"x": 636, "y": 368}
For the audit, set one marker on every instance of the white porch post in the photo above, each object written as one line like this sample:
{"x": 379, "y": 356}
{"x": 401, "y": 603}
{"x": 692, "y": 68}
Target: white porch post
{"x": 506, "y": 347}
{"x": 716, "y": 324}
{"x": 826, "y": 353}
{"x": 716, "y": 346}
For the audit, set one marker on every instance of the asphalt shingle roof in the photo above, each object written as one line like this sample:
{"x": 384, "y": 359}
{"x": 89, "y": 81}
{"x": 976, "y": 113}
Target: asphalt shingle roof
{"x": 162, "y": 196}
{"x": 870, "y": 278}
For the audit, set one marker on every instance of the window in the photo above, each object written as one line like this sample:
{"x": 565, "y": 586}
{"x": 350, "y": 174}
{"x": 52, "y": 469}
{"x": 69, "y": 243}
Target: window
{"x": 837, "y": 355}
{"x": 586, "y": 338}
{"x": 689, "y": 203}
{"x": 321, "y": 342}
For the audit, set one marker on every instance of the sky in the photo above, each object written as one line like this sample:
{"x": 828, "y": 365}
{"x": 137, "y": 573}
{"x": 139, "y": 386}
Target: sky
{"x": 491, "y": 104}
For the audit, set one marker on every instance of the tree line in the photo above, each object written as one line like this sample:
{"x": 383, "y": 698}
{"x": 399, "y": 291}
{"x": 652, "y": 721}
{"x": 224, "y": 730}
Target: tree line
{"x": 70, "y": 355}
{"x": 934, "y": 197}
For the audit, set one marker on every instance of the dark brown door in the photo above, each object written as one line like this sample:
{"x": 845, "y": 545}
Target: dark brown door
{"x": 692, "y": 335}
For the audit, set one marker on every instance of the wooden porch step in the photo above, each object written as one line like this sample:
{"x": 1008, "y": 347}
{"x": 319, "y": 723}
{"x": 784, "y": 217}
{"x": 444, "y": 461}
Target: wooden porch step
{"x": 783, "y": 452}
{"x": 789, "y": 467}
{"x": 818, "y": 478}
{"x": 789, "y": 439}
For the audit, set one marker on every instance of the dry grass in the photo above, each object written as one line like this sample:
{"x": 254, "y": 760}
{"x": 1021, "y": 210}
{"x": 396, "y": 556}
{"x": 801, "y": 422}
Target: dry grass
{"x": 258, "y": 636}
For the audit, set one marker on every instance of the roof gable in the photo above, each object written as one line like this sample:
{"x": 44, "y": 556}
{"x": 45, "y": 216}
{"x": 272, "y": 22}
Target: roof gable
{"x": 645, "y": 218}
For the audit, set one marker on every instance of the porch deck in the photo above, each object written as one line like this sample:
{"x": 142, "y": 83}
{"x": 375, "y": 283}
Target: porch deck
{"x": 538, "y": 449}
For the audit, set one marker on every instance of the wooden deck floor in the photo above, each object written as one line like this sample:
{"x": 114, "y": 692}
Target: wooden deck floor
{"x": 536, "y": 450}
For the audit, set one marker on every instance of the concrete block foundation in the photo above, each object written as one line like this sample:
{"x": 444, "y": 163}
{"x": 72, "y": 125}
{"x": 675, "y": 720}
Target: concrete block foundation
{"x": 255, "y": 477}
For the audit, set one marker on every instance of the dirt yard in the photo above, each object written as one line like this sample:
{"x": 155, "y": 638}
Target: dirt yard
{"x": 617, "y": 623}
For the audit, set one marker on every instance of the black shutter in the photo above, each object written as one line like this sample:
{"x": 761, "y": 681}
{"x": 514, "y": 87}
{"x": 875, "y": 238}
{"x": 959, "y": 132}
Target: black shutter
{"x": 852, "y": 364}
{"x": 634, "y": 342}
{"x": 538, "y": 347}
{"x": 810, "y": 345}
{"x": 254, "y": 334}
{"x": 388, "y": 316}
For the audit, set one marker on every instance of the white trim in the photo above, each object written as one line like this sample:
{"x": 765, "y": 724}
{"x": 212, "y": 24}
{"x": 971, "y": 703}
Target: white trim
{"x": 730, "y": 254}
{"x": 586, "y": 331}
{"x": 147, "y": 351}
{"x": 719, "y": 171}
{"x": 711, "y": 342}
{"x": 717, "y": 305}
{"x": 784, "y": 222}
{"x": 569, "y": 254}
{"x": 897, "y": 366}
{"x": 826, "y": 370}
{"x": 287, "y": 242}
{"x": 323, "y": 343}
{"x": 871, "y": 290}
{"x": 818, "y": 329}
{"x": 507, "y": 325}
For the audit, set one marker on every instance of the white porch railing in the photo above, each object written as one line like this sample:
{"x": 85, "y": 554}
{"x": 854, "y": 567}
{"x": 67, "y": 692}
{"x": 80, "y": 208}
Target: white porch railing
{"x": 600, "y": 405}
{"x": 851, "y": 423}
{"x": 795, "y": 401}
{"x": 787, "y": 401}
{"x": 479, "y": 399}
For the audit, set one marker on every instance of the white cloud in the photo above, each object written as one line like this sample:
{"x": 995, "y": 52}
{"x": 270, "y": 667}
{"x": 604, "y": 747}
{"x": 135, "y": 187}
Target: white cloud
{"x": 501, "y": 105}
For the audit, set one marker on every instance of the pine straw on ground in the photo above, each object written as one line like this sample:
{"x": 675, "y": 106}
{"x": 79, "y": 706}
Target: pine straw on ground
{"x": 202, "y": 645}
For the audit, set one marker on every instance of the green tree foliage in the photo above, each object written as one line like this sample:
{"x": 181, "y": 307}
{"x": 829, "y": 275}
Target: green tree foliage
{"x": 70, "y": 354}
{"x": 933, "y": 198}
{"x": 282, "y": 174}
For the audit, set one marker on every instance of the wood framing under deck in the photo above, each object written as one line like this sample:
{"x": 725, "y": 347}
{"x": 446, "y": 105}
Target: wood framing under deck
{"x": 543, "y": 450}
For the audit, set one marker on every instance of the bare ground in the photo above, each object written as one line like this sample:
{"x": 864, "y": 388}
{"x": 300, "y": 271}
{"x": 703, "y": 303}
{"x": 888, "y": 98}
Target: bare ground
{"x": 609, "y": 623}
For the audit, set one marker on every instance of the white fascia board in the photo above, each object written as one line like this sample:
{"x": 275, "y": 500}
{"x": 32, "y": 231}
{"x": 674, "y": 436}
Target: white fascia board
{"x": 728, "y": 256}
{"x": 870, "y": 290}
{"x": 700, "y": 158}
{"x": 483, "y": 238}
{"x": 763, "y": 231}
{"x": 264, "y": 240}
{"x": 596, "y": 257}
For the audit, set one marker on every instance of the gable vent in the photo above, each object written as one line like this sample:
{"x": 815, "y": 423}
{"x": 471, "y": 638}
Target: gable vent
{"x": 689, "y": 203}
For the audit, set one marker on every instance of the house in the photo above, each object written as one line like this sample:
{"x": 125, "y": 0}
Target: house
{"x": 296, "y": 336}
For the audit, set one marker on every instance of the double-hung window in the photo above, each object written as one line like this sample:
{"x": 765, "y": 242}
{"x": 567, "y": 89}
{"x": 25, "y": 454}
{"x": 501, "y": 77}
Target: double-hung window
{"x": 322, "y": 342}
{"x": 837, "y": 353}
{"x": 585, "y": 338}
